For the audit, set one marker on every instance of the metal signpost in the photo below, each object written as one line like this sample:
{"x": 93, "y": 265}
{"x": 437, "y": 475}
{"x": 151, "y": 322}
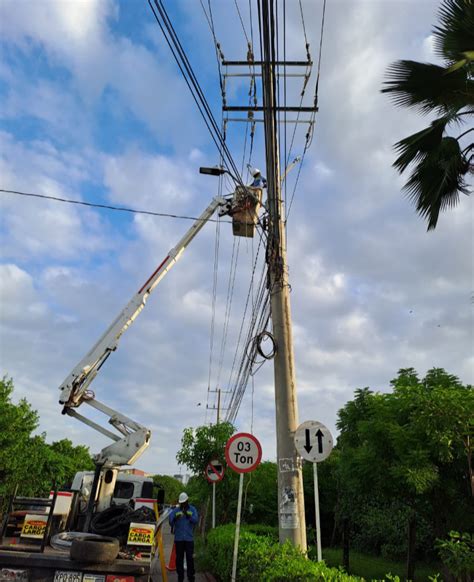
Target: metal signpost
{"x": 314, "y": 442}
{"x": 214, "y": 473}
{"x": 243, "y": 454}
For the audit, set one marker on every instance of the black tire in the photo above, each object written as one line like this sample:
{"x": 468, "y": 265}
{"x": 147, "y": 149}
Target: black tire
{"x": 95, "y": 550}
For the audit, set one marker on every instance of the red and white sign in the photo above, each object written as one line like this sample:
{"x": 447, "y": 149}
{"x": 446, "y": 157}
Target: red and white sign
{"x": 214, "y": 471}
{"x": 243, "y": 452}
{"x": 63, "y": 502}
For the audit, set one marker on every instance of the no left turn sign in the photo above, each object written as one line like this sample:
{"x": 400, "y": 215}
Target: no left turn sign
{"x": 243, "y": 452}
{"x": 214, "y": 471}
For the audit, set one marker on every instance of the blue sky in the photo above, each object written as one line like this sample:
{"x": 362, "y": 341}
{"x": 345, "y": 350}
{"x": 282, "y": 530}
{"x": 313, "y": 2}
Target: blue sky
{"x": 93, "y": 108}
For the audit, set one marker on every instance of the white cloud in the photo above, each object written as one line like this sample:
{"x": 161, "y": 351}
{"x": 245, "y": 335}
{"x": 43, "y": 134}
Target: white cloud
{"x": 41, "y": 228}
{"x": 19, "y": 299}
{"x": 371, "y": 291}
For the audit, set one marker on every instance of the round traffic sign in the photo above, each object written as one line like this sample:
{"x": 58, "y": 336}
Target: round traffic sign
{"x": 243, "y": 452}
{"x": 214, "y": 471}
{"x": 313, "y": 441}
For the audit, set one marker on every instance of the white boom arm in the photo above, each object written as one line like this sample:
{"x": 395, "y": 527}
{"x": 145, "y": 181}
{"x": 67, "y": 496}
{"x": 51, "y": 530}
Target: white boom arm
{"x": 73, "y": 391}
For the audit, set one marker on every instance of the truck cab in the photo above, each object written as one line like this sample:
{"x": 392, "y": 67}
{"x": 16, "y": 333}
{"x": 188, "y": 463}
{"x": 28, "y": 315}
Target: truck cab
{"x": 121, "y": 490}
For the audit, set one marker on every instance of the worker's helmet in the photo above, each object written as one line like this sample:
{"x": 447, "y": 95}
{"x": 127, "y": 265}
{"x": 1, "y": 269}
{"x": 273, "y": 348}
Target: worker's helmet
{"x": 183, "y": 498}
{"x": 256, "y": 172}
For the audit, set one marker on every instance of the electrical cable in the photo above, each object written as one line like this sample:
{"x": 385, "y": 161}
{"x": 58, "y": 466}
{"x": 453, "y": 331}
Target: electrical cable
{"x": 304, "y": 27}
{"x": 210, "y": 22}
{"x": 107, "y": 206}
{"x": 242, "y": 23}
{"x": 244, "y": 315}
{"x": 213, "y": 303}
{"x": 320, "y": 53}
{"x": 310, "y": 133}
{"x": 228, "y": 307}
{"x": 239, "y": 385}
{"x": 179, "y": 54}
{"x": 258, "y": 322}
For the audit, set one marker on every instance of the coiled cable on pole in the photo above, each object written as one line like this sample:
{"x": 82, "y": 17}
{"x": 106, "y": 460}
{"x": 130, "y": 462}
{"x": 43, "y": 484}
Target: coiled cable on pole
{"x": 262, "y": 337}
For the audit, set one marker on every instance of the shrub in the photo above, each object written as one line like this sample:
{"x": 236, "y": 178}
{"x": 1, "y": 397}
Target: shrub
{"x": 263, "y": 530}
{"x": 457, "y": 554}
{"x": 261, "y": 558}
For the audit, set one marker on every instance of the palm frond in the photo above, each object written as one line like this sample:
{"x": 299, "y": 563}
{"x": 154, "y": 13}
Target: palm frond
{"x": 455, "y": 33}
{"x": 428, "y": 87}
{"x": 417, "y": 146}
{"x": 437, "y": 180}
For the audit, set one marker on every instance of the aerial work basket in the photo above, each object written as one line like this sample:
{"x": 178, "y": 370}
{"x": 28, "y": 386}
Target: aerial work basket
{"x": 246, "y": 204}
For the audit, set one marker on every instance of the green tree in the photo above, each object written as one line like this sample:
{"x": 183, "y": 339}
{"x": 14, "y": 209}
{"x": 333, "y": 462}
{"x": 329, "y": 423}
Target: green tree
{"x": 409, "y": 447}
{"x": 200, "y": 445}
{"x": 67, "y": 459}
{"x": 17, "y": 422}
{"x": 26, "y": 459}
{"x": 441, "y": 161}
{"x": 172, "y": 487}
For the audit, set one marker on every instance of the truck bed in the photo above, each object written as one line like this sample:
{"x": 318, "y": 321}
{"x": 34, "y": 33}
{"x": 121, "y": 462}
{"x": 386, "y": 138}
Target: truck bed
{"x": 43, "y": 566}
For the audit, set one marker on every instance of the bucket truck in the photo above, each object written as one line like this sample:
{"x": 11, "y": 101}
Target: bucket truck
{"x": 129, "y": 438}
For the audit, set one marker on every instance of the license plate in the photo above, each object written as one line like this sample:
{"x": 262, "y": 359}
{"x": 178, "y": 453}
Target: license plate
{"x": 67, "y": 576}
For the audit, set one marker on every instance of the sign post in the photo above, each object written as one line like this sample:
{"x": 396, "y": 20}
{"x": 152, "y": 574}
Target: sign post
{"x": 243, "y": 454}
{"x": 314, "y": 442}
{"x": 214, "y": 473}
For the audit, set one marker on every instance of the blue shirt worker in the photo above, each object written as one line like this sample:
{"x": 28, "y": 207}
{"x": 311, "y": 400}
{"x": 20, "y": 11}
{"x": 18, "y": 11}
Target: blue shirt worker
{"x": 258, "y": 180}
{"x": 183, "y": 519}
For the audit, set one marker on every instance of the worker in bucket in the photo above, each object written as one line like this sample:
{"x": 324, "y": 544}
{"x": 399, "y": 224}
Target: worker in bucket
{"x": 182, "y": 520}
{"x": 258, "y": 180}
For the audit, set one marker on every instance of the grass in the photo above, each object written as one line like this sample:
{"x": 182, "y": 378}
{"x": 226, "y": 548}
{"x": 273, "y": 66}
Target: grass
{"x": 375, "y": 568}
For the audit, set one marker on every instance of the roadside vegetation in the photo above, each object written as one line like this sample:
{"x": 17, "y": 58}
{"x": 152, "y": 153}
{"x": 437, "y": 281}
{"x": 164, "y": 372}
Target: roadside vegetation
{"x": 26, "y": 459}
{"x": 397, "y": 483}
{"x": 396, "y": 491}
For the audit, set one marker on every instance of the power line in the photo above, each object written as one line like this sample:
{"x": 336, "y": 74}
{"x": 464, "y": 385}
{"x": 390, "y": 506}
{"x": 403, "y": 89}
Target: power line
{"x": 320, "y": 53}
{"x": 310, "y": 133}
{"x": 242, "y": 23}
{"x": 106, "y": 206}
{"x": 179, "y": 54}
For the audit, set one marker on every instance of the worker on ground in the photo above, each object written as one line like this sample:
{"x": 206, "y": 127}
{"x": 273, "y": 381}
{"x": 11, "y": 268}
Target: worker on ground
{"x": 182, "y": 520}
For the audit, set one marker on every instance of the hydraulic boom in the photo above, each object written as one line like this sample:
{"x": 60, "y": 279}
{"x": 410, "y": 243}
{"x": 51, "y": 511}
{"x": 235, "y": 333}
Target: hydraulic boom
{"x": 74, "y": 391}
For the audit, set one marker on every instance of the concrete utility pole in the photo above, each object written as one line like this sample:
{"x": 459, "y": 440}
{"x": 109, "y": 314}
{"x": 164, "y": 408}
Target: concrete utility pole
{"x": 218, "y": 408}
{"x": 292, "y": 523}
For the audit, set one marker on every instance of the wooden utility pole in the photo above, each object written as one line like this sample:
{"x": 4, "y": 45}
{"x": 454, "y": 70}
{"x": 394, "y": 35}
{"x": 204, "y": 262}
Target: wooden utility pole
{"x": 292, "y": 523}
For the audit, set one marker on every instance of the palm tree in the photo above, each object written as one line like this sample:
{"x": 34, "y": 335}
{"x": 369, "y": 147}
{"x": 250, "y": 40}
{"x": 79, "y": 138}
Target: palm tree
{"x": 441, "y": 162}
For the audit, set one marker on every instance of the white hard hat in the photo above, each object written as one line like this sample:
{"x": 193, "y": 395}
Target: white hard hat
{"x": 183, "y": 498}
{"x": 256, "y": 172}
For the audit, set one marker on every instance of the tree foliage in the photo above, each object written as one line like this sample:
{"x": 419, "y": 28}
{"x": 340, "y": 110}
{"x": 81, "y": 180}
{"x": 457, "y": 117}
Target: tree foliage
{"x": 26, "y": 459}
{"x": 202, "y": 444}
{"x": 405, "y": 455}
{"x": 171, "y": 486}
{"x": 441, "y": 162}
{"x": 402, "y": 453}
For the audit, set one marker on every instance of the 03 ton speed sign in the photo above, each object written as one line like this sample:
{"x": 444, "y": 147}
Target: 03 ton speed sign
{"x": 243, "y": 452}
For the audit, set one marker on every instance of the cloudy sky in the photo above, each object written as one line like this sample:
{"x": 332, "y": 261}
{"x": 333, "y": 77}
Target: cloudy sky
{"x": 93, "y": 108}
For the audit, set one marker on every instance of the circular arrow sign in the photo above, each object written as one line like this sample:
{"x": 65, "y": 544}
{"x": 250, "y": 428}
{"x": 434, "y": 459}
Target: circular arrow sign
{"x": 243, "y": 452}
{"x": 214, "y": 471}
{"x": 313, "y": 441}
